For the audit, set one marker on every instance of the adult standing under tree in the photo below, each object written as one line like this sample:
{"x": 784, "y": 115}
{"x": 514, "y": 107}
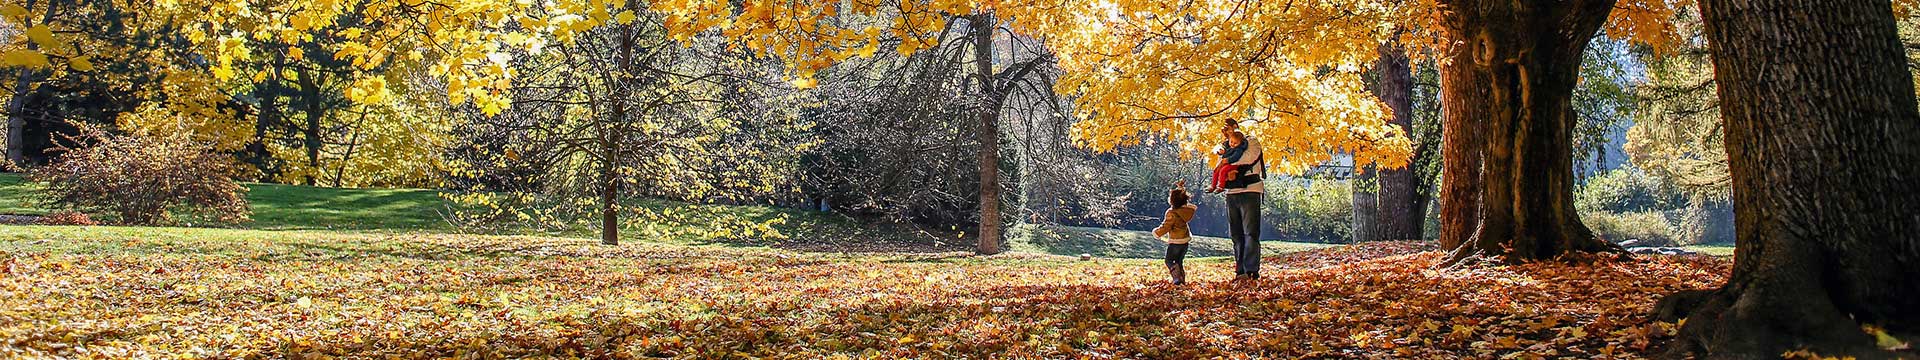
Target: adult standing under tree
{"x": 1244, "y": 195}
{"x": 1823, "y": 139}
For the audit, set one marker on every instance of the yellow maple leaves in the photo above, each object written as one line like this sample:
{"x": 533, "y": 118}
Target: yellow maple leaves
{"x": 192, "y": 108}
{"x": 81, "y": 63}
{"x": 369, "y": 90}
{"x": 1291, "y": 72}
{"x": 46, "y": 46}
{"x": 13, "y": 12}
{"x": 24, "y": 58}
{"x": 43, "y": 36}
{"x": 1137, "y": 70}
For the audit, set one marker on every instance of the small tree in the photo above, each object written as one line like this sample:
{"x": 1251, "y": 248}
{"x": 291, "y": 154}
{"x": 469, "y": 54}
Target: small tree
{"x": 144, "y": 180}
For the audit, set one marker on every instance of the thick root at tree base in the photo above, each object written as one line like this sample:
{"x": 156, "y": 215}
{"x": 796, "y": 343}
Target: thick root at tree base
{"x": 1463, "y": 255}
{"x": 1677, "y": 306}
{"x": 1468, "y": 253}
{"x": 1722, "y": 326}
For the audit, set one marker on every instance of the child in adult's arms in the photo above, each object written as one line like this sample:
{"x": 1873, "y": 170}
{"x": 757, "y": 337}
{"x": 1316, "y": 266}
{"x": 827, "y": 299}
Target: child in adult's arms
{"x": 1229, "y": 152}
{"x": 1173, "y": 230}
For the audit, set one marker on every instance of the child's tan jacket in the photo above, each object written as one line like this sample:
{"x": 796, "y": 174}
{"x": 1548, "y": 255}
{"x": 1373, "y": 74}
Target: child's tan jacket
{"x": 1174, "y": 227}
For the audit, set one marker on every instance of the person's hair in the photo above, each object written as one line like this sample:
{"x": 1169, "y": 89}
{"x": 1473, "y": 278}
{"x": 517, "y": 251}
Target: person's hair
{"x": 1237, "y": 135}
{"x": 1177, "y": 197}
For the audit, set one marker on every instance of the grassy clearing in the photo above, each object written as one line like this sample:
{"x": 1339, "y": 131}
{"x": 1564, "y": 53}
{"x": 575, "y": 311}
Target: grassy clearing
{"x": 225, "y": 293}
{"x": 292, "y": 207}
{"x": 1722, "y": 250}
{"x": 16, "y": 196}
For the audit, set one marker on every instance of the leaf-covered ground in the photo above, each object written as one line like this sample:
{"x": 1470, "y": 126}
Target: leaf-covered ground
{"x": 106, "y": 292}
{"x": 1118, "y": 243}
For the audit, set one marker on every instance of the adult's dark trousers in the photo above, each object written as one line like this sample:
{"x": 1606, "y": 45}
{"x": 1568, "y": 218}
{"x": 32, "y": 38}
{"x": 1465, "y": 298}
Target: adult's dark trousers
{"x": 1243, "y": 226}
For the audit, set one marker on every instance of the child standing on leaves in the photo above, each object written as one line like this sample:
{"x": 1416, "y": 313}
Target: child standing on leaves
{"x": 1175, "y": 232}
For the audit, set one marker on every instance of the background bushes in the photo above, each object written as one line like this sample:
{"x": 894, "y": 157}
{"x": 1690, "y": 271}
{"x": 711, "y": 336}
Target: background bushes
{"x": 144, "y": 180}
{"x": 1630, "y": 204}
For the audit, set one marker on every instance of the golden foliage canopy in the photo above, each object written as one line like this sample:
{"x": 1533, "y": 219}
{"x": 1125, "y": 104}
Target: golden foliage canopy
{"x": 1139, "y": 70}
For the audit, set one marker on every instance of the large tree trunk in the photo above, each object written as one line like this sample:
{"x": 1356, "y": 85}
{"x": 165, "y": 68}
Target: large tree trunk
{"x": 1398, "y": 218}
{"x": 981, "y": 26}
{"x": 1823, "y": 138}
{"x": 1518, "y": 65}
{"x": 1461, "y": 146}
{"x": 1366, "y": 205}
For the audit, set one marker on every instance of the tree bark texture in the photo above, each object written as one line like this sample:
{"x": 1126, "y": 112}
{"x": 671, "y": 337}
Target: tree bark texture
{"x": 1824, "y": 144}
{"x": 23, "y": 87}
{"x": 1398, "y": 217}
{"x": 1366, "y": 205}
{"x": 1508, "y": 94}
{"x": 613, "y": 134}
{"x": 981, "y": 26}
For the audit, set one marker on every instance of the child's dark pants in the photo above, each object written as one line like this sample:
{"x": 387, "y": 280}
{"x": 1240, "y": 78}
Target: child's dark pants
{"x": 1176, "y": 255}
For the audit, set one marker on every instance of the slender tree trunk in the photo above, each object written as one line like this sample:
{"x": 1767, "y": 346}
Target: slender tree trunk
{"x": 613, "y": 133}
{"x": 1366, "y": 205}
{"x": 1519, "y": 66}
{"x": 610, "y": 182}
{"x": 346, "y": 155}
{"x": 982, "y": 26}
{"x": 1422, "y": 200}
{"x": 17, "y": 116}
{"x": 268, "y": 92}
{"x": 1823, "y": 139}
{"x": 1398, "y": 218}
{"x": 22, "y": 90}
{"x": 310, "y": 133}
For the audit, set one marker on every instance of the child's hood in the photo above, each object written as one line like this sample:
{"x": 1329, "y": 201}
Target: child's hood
{"x": 1186, "y": 210}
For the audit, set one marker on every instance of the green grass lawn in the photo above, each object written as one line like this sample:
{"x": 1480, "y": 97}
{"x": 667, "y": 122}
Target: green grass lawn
{"x": 16, "y": 196}
{"x": 292, "y": 207}
{"x": 1712, "y": 249}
